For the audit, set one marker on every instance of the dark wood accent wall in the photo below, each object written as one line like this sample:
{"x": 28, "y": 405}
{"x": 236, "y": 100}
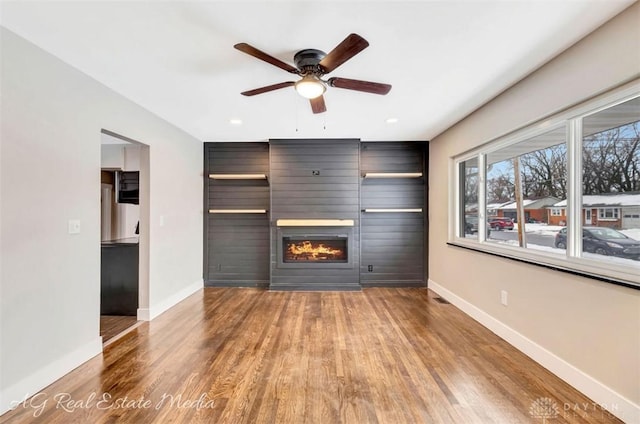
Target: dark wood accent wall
{"x": 236, "y": 246}
{"x": 315, "y": 179}
{"x": 393, "y": 244}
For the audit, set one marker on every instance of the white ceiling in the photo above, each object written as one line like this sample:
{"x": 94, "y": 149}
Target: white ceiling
{"x": 176, "y": 59}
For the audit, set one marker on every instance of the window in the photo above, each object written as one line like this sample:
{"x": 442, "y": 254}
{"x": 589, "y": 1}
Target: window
{"x": 571, "y": 184}
{"x": 610, "y": 178}
{"x": 469, "y": 222}
{"x": 608, "y": 213}
{"x": 527, "y": 177}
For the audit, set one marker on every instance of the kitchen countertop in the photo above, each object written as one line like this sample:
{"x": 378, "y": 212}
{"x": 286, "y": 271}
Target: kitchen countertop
{"x": 128, "y": 240}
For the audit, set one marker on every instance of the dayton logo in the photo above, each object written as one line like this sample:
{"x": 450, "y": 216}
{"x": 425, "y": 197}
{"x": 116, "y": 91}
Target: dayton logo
{"x": 544, "y": 408}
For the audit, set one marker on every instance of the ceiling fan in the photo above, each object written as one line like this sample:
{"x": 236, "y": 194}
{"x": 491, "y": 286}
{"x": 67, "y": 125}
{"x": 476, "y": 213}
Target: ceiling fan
{"x": 312, "y": 65}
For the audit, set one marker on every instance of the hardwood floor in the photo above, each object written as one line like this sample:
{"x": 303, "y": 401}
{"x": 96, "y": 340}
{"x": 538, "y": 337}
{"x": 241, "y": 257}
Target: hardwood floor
{"x": 113, "y": 325}
{"x": 253, "y": 356}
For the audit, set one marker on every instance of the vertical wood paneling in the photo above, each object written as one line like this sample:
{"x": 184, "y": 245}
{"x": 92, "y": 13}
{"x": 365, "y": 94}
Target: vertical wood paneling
{"x": 392, "y": 246}
{"x": 236, "y": 245}
{"x": 315, "y": 179}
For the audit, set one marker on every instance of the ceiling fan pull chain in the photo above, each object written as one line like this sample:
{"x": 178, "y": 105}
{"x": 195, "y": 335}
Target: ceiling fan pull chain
{"x": 296, "y": 107}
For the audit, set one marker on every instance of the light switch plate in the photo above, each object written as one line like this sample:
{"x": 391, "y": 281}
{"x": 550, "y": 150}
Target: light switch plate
{"x": 74, "y": 226}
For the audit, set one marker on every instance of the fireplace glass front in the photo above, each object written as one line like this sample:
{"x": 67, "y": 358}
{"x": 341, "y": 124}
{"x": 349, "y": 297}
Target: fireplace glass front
{"x": 315, "y": 249}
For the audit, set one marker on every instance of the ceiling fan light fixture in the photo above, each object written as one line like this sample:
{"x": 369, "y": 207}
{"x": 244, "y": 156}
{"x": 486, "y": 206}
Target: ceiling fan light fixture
{"x": 310, "y": 87}
{"x": 311, "y": 65}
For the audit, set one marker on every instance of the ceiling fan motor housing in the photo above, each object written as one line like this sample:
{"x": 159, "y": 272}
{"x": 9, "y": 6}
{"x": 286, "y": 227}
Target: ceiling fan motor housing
{"x": 308, "y": 59}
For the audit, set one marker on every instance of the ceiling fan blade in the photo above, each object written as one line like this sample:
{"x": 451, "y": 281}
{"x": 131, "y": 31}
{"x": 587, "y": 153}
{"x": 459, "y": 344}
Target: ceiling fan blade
{"x": 358, "y": 85}
{"x": 317, "y": 105}
{"x": 349, "y": 47}
{"x": 268, "y": 88}
{"x": 259, "y": 54}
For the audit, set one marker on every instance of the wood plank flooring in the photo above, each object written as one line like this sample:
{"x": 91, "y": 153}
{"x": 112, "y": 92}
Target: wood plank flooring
{"x": 112, "y": 325}
{"x": 252, "y": 356}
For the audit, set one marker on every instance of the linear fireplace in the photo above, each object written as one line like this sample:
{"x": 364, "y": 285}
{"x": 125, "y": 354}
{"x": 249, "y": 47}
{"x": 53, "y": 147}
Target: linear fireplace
{"x": 314, "y": 247}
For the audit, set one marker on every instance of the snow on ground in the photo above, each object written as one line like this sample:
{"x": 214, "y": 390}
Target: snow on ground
{"x": 587, "y": 255}
{"x": 634, "y": 233}
{"x": 551, "y": 230}
{"x": 541, "y": 229}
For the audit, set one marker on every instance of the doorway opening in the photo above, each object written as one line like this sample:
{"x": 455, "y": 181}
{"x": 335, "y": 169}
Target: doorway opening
{"x": 124, "y": 235}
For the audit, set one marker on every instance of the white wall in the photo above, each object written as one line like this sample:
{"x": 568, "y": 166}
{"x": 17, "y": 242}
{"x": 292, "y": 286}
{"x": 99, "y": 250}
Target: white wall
{"x": 111, "y": 155}
{"x": 129, "y": 213}
{"x": 586, "y": 331}
{"x": 52, "y": 116}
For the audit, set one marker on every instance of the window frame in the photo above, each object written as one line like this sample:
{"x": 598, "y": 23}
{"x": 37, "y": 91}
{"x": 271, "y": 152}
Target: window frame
{"x": 556, "y": 211}
{"x": 615, "y": 214}
{"x": 573, "y": 260}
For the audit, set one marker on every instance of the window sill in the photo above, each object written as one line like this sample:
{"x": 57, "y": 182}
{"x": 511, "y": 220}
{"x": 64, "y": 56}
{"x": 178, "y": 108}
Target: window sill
{"x": 575, "y": 266}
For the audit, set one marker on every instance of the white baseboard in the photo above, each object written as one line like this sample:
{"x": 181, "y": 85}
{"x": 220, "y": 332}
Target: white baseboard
{"x": 147, "y": 314}
{"x": 613, "y": 402}
{"x": 11, "y": 396}
{"x": 143, "y": 314}
{"x": 43, "y": 377}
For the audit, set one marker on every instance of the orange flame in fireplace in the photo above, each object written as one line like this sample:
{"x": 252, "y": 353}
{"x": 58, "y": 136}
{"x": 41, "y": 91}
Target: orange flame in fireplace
{"x": 307, "y": 249}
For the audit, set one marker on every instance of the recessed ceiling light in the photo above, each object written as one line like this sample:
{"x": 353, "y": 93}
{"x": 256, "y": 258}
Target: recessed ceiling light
{"x": 391, "y": 120}
{"x": 235, "y": 121}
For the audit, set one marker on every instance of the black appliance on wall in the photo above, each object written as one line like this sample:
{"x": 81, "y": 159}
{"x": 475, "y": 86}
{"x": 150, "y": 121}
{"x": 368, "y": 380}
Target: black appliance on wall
{"x": 128, "y": 187}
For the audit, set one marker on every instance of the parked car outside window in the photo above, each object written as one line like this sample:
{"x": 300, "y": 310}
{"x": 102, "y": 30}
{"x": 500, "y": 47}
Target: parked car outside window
{"x": 471, "y": 225}
{"x": 603, "y": 241}
{"x": 500, "y": 223}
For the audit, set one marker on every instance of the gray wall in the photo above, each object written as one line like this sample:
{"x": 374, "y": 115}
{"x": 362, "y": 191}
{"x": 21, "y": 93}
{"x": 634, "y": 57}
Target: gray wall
{"x": 387, "y": 249}
{"x": 236, "y": 251}
{"x": 297, "y": 193}
{"x": 392, "y": 243}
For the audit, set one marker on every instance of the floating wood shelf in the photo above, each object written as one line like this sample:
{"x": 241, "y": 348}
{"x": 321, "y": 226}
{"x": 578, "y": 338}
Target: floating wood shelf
{"x": 315, "y": 223}
{"x": 238, "y": 176}
{"x": 415, "y": 210}
{"x": 393, "y": 175}
{"x": 237, "y": 211}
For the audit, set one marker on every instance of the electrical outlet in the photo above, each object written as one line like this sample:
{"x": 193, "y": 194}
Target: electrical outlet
{"x": 370, "y": 268}
{"x": 504, "y": 297}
